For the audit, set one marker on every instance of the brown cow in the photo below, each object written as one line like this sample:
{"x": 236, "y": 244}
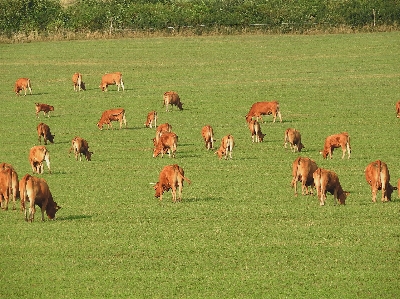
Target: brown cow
{"x": 37, "y": 155}
{"x": 171, "y": 176}
{"x": 151, "y": 118}
{"x": 167, "y": 142}
{"x": 335, "y": 141}
{"x": 78, "y": 83}
{"x": 294, "y": 138}
{"x": 44, "y": 130}
{"x": 398, "y": 109}
{"x": 43, "y": 107}
{"x": 22, "y": 84}
{"x": 112, "y": 79}
{"x": 227, "y": 144}
{"x": 14, "y": 182}
{"x": 166, "y": 127}
{"x": 36, "y": 191}
{"x": 264, "y": 108}
{"x": 326, "y": 180}
{"x": 378, "y": 177}
{"x": 112, "y": 115}
{"x": 208, "y": 136}
{"x": 302, "y": 170}
{"x": 80, "y": 146}
{"x": 171, "y": 97}
{"x": 255, "y": 130}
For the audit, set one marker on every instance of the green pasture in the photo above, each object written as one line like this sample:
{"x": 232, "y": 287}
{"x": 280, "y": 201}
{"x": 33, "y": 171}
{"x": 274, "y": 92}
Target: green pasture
{"x": 239, "y": 231}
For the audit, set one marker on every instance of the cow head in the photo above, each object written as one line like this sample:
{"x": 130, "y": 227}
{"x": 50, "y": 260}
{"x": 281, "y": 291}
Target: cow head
{"x": 179, "y": 104}
{"x": 157, "y": 189}
{"x": 324, "y": 153}
{"x": 300, "y": 147}
{"x": 261, "y": 136}
{"x": 342, "y": 197}
{"x": 220, "y": 152}
{"x": 83, "y": 86}
{"x": 52, "y": 209}
{"x": 50, "y": 137}
{"x": 88, "y": 155}
{"x": 157, "y": 150}
{"x": 389, "y": 191}
{"x": 100, "y": 126}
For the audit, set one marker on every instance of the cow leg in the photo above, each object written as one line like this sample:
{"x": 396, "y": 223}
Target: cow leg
{"x": 348, "y": 150}
{"x": 374, "y": 191}
{"x": 173, "y": 192}
{"x": 122, "y": 85}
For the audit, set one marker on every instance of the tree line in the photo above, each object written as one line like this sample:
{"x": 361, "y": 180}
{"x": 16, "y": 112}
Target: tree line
{"x": 50, "y": 16}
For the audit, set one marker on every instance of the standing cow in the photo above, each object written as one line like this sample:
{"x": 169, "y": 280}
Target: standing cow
{"x": 151, "y": 118}
{"x": 44, "y": 130}
{"x": 167, "y": 142}
{"x": 378, "y": 177}
{"x": 78, "y": 82}
{"x": 171, "y": 98}
{"x": 255, "y": 130}
{"x": 37, "y": 155}
{"x": 328, "y": 181}
{"x": 112, "y": 79}
{"x": 80, "y": 146}
{"x": 43, "y": 107}
{"x": 171, "y": 177}
{"x": 264, "y": 108}
{"x": 226, "y": 148}
{"x": 9, "y": 182}
{"x": 208, "y": 136}
{"x": 335, "y": 141}
{"x": 36, "y": 191}
{"x": 112, "y": 115}
{"x": 22, "y": 84}
{"x": 302, "y": 170}
{"x": 293, "y": 137}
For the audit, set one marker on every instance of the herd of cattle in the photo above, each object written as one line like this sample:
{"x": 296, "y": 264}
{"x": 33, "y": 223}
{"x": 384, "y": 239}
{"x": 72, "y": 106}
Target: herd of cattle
{"x": 305, "y": 170}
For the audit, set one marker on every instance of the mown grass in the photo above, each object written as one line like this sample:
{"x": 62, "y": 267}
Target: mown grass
{"x": 239, "y": 231}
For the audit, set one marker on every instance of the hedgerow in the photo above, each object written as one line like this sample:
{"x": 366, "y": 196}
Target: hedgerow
{"x": 50, "y": 16}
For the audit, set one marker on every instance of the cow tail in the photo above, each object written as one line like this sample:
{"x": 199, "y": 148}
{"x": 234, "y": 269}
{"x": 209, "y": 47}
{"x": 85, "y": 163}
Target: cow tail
{"x": 379, "y": 181}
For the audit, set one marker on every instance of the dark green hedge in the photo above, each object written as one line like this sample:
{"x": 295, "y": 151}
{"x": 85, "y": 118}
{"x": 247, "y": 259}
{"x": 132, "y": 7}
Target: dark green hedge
{"x": 98, "y": 15}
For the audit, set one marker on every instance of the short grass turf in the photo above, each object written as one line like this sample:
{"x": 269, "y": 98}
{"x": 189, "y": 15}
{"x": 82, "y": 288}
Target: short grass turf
{"x": 239, "y": 231}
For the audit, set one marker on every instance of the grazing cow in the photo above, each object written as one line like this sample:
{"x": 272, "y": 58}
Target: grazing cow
{"x": 36, "y": 191}
{"x": 44, "y": 130}
{"x": 208, "y": 136}
{"x": 22, "y": 84}
{"x": 335, "y": 141}
{"x": 166, "y": 127}
{"x": 171, "y": 97}
{"x": 167, "y": 142}
{"x": 326, "y": 180}
{"x": 112, "y": 79}
{"x": 171, "y": 176}
{"x": 78, "y": 83}
{"x": 294, "y": 138}
{"x": 264, "y": 108}
{"x": 378, "y": 177}
{"x": 43, "y": 107}
{"x": 255, "y": 130}
{"x": 302, "y": 170}
{"x": 9, "y": 169}
{"x": 112, "y": 115}
{"x": 151, "y": 118}
{"x": 37, "y": 155}
{"x": 227, "y": 144}
{"x": 80, "y": 146}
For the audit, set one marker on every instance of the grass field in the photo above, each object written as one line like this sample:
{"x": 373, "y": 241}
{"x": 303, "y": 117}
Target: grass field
{"x": 239, "y": 231}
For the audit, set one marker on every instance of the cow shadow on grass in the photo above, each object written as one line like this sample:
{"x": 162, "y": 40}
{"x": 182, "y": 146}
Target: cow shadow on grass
{"x": 74, "y": 217}
{"x": 199, "y": 199}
